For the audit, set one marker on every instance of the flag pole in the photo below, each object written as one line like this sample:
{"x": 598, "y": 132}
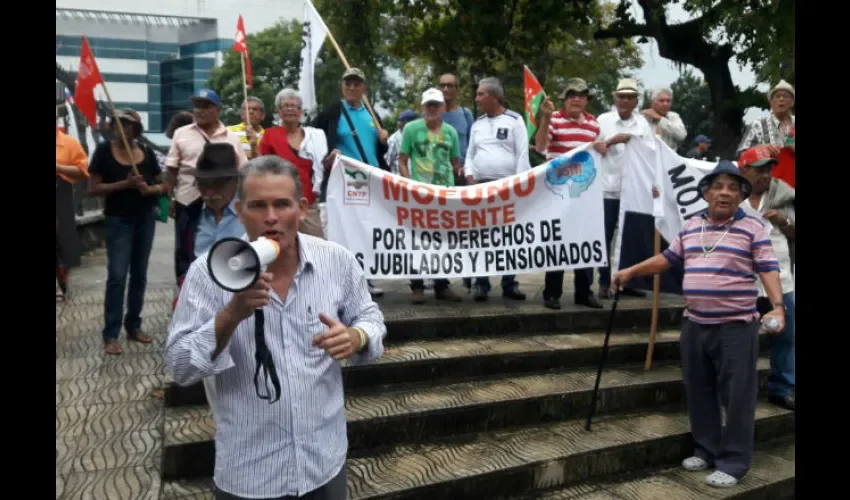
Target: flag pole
{"x": 120, "y": 129}
{"x": 656, "y": 291}
{"x": 245, "y": 92}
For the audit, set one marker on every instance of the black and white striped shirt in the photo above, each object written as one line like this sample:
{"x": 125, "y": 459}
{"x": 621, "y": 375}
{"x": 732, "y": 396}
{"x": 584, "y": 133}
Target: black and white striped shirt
{"x": 299, "y": 443}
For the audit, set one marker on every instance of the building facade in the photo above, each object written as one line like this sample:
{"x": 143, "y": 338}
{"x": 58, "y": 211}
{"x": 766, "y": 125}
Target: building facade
{"x": 154, "y": 54}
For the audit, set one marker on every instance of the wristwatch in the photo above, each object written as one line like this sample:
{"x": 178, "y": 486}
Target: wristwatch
{"x": 779, "y": 304}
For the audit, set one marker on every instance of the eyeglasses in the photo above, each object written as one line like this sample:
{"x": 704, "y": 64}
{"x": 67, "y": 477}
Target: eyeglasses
{"x": 444, "y": 85}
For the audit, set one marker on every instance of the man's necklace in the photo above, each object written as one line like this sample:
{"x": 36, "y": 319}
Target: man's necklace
{"x": 707, "y": 251}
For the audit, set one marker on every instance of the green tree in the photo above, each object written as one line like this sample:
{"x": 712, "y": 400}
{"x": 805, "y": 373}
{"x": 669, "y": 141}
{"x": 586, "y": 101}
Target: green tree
{"x": 275, "y": 64}
{"x": 756, "y": 33}
{"x": 475, "y": 39}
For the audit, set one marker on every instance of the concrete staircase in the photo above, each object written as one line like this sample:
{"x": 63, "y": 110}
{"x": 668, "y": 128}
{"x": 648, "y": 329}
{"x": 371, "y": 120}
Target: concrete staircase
{"x": 489, "y": 402}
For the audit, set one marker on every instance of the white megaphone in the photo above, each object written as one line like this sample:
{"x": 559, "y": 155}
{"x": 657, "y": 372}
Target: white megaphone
{"x": 235, "y": 264}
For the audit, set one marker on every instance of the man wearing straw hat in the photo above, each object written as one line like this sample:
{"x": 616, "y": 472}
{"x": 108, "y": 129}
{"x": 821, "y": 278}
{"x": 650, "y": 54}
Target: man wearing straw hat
{"x": 616, "y": 128}
{"x": 723, "y": 251}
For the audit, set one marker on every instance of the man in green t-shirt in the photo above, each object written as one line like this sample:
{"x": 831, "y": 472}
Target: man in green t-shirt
{"x": 430, "y": 153}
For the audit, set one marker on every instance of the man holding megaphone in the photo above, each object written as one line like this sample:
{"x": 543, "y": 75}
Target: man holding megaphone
{"x": 311, "y": 308}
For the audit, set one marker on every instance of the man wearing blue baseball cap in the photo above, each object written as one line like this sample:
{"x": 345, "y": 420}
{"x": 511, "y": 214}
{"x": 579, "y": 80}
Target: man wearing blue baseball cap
{"x": 700, "y": 150}
{"x": 187, "y": 143}
{"x": 394, "y": 142}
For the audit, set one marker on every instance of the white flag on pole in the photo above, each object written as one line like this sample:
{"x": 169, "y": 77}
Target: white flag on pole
{"x": 312, "y": 37}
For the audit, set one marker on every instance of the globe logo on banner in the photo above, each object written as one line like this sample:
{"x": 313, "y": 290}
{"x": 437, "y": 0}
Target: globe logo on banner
{"x": 575, "y": 173}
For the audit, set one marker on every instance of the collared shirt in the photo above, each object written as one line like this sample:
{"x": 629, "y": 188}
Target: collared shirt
{"x": 240, "y": 132}
{"x": 70, "y": 152}
{"x": 209, "y": 231}
{"x": 721, "y": 287}
{"x": 367, "y": 132}
{"x": 610, "y": 124}
{"x": 186, "y": 146}
{"x": 298, "y": 443}
{"x": 670, "y": 129}
{"x": 498, "y": 147}
{"x": 566, "y": 134}
{"x": 765, "y": 130}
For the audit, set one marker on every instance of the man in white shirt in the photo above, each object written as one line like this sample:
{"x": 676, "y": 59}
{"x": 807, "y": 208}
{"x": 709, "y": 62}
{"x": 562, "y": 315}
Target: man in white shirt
{"x": 498, "y": 148}
{"x": 668, "y": 125}
{"x": 616, "y": 128}
{"x": 288, "y": 440}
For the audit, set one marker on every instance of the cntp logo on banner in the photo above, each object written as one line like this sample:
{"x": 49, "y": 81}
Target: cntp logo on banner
{"x": 357, "y": 187}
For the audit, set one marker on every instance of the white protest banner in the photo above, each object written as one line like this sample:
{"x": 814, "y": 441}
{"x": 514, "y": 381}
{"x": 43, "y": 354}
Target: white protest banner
{"x": 547, "y": 218}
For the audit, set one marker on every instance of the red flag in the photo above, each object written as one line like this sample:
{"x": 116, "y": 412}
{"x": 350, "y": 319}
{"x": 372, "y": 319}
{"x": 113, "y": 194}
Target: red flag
{"x": 787, "y": 167}
{"x": 240, "y": 44}
{"x": 88, "y": 77}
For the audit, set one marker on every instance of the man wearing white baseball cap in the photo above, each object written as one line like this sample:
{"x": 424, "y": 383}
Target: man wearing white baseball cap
{"x": 430, "y": 153}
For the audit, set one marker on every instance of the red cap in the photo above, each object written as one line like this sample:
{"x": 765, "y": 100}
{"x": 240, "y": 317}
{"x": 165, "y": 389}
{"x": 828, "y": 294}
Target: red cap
{"x": 756, "y": 157}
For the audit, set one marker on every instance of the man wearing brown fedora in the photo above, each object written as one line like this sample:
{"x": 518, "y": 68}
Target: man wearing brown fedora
{"x": 216, "y": 174}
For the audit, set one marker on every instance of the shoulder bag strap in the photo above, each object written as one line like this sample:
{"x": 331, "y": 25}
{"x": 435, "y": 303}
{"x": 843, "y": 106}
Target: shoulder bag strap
{"x": 354, "y": 134}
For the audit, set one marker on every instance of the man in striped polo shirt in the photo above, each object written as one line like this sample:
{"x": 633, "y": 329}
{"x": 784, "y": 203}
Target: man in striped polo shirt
{"x": 559, "y": 133}
{"x": 722, "y": 250}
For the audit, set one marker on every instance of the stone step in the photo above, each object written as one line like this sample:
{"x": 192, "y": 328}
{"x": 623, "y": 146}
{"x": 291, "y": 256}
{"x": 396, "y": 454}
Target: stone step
{"x": 455, "y": 359}
{"x": 389, "y": 418}
{"x": 469, "y": 319}
{"x": 504, "y": 464}
{"x": 772, "y": 476}
{"x": 446, "y": 360}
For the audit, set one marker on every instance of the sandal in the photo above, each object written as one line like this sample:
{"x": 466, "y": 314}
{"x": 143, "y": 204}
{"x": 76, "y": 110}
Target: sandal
{"x": 694, "y": 464}
{"x": 113, "y": 347}
{"x": 721, "y": 480}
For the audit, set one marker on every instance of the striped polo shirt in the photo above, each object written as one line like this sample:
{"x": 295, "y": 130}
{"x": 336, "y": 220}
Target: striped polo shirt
{"x": 721, "y": 287}
{"x": 566, "y": 134}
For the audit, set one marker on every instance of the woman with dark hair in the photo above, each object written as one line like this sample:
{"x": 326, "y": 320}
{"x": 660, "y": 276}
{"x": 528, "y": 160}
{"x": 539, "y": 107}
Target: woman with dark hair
{"x": 181, "y": 119}
{"x": 129, "y": 180}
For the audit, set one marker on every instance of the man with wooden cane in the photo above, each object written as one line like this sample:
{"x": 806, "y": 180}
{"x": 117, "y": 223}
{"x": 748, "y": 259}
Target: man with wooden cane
{"x": 723, "y": 251}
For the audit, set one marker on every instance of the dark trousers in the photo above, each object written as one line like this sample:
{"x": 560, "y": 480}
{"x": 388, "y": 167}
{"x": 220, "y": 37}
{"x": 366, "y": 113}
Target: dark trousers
{"x": 781, "y": 380}
{"x": 508, "y": 282}
{"x": 185, "y": 222}
{"x": 612, "y": 216}
{"x": 439, "y": 285}
{"x": 719, "y": 369}
{"x": 129, "y": 241}
{"x": 335, "y": 489}
{"x": 555, "y": 284}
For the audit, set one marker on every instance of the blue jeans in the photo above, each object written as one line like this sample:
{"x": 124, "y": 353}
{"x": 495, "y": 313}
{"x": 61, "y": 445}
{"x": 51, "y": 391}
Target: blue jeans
{"x": 128, "y": 248}
{"x": 781, "y": 379}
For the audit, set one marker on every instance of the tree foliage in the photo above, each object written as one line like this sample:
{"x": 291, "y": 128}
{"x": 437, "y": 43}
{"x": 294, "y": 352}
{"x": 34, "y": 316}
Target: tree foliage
{"x": 475, "y": 39}
{"x": 692, "y": 100}
{"x": 756, "y": 33}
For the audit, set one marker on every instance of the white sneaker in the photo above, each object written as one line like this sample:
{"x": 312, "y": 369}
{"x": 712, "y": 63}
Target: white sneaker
{"x": 721, "y": 480}
{"x": 694, "y": 464}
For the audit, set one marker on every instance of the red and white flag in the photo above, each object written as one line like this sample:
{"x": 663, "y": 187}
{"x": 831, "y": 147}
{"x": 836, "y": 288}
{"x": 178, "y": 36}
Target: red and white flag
{"x": 88, "y": 77}
{"x": 240, "y": 44}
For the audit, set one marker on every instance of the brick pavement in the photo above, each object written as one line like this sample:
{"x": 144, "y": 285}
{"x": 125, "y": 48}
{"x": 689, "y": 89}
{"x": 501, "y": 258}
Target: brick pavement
{"x": 109, "y": 428}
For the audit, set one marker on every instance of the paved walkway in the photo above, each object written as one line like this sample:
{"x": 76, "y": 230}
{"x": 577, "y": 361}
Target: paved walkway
{"x": 109, "y": 427}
